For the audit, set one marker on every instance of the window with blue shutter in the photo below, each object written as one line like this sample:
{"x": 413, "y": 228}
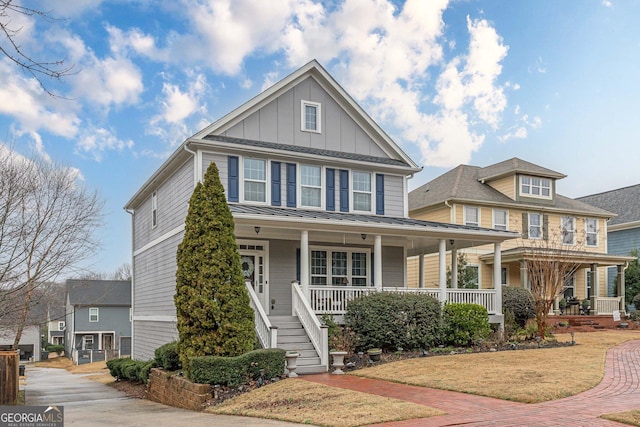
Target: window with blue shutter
{"x": 344, "y": 191}
{"x": 379, "y": 194}
{"x": 275, "y": 184}
{"x": 291, "y": 185}
{"x": 331, "y": 189}
{"x": 233, "y": 179}
{"x": 298, "y": 264}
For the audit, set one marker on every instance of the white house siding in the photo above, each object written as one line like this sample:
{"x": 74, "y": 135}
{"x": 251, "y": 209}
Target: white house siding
{"x": 393, "y": 265}
{"x": 279, "y": 121}
{"x": 149, "y": 335}
{"x": 173, "y": 203}
{"x": 393, "y": 196}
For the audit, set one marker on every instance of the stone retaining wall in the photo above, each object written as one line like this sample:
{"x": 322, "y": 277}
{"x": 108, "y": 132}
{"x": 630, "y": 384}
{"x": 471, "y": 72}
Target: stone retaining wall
{"x": 177, "y": 391}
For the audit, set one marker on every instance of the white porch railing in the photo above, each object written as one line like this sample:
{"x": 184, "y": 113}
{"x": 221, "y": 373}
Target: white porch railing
{"x": 334, "y": 299}
{"x": 606, "y": 305}
{"x": 318, "y": 333}
{"x": 267, "y": 333}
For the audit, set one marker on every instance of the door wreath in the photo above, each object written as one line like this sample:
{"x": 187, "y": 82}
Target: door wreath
{"x": 247, "y": 266}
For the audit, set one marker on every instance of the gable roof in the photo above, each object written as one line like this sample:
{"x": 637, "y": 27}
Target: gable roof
{"x": 99, "y": 292}
{"x": 464, "y": 183}
{"x": 513, "y": 166}
{"x": 625, "y": 202}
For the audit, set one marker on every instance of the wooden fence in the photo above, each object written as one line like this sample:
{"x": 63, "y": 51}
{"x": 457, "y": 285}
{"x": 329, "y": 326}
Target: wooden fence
{"x": 9, "y": 379}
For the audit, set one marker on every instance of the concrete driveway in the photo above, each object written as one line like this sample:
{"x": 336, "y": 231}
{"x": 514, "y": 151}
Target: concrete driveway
{"x": 91, "y": 404}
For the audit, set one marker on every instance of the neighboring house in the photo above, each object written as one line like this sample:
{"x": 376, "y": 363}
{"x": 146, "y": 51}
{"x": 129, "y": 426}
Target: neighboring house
{"x": 520, "y": 196}
{"x": 98, "y": 319}
{"x": 623, "y": 230}
{"x": 56, "y": 325}
{"x": 318, "y": 192}
{"x": 30, "y": 342}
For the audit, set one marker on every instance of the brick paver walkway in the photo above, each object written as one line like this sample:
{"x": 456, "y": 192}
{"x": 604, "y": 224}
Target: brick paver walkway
{"x": 618, "y": 391}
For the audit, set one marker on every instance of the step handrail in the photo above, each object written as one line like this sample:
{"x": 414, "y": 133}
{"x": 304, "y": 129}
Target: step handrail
{"x": 317, "y": 332}
{"x": 267, "y": 333}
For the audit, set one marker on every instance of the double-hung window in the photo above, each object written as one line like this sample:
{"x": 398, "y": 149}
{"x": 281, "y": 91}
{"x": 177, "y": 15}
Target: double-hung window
{"x": 471, "y": 216}
{"x": 535, "y": 187}
{"x": 61, "y": 326}
{"x": 93, "y": 314}
{"x": 535, "y": 226}
{"x": 311, "y": 186}
{"x": 591, "y": 228}
{"x": 339, "y": 267}
{"x": 87, "y": 342}
{"x": 311, "y": 116}
{"x": 568, "y": 230}
{"x": 255, "y": 180}
{"x": 319, "y": 271}
{"x": 362, "y": 190}
{"x": 500, "y": 219}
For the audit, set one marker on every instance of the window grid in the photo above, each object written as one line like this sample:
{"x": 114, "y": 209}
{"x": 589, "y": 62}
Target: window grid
{"x": 500, "y": 219}
{"x": 318, "y": 267}
{"x": 568, "y": 230}
{"x": 93, "y": 314}
{"x": 471, "y": 216}
{"x": 339, "y": 268}
{"x": 362, "y": 191}
{"x": 310, "y": 120}
{"x": 535, "y": 187}
{"x": 311, "y": 186}
{"x": 61, "y": 326}
{"x": 591, "y": 227}
{"x": 88, "y": 342}
{"x": 347, "y": 267}
{"x": 255, "y": 180}
{"x": 535, "y": 226}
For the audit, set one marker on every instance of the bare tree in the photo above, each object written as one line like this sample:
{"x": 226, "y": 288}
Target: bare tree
{"x": 123, "y": 272}
{"x": 11, "y": 48}
{"x": 47, "y": 224}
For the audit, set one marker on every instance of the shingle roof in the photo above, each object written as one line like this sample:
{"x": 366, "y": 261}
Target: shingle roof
{"x": 307, "y": 150}
{"x": 463, "y": 183}
{"x": 99, "y": 292}
{"x": 516, "y": 165}
{"x": 624, "y": 201}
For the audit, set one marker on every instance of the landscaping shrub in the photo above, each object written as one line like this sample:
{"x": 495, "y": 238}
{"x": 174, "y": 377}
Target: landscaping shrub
{"x": 167, "y": 357}
{"x": 55, "y": 349}
{"x": 391, "y": 320}
{"x": 232, "y": 371}
{"x": 144, "y": 369}
{"x": 127, "y": 369}
{"x": 464, "y": 324}
{"x": 520, "y": 302}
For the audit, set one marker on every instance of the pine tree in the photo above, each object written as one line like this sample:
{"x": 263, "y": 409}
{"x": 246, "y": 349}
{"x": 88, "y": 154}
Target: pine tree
{"x": 212, "y": 303}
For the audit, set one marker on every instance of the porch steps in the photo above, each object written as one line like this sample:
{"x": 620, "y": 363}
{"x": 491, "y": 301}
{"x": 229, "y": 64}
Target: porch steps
{"x": 292, "y": 337}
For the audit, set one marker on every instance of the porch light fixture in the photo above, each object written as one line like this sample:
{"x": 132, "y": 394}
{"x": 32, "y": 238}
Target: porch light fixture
{"x": 451, "y": 242}
{"x": 364, "y": 236}
{"x": 257, "y": 229}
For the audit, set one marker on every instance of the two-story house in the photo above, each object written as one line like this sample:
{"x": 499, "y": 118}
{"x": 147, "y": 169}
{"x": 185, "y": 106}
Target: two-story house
{"x": 623, "y": 230}
{"x": 318, "y": 193}
{"x": 98, "y": 319}
{"x": 520, "y": 196}
{"x": 56, "y": 324}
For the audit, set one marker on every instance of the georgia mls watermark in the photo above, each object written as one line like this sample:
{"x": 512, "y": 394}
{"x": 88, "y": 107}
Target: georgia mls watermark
{"x": 31, "y": 416}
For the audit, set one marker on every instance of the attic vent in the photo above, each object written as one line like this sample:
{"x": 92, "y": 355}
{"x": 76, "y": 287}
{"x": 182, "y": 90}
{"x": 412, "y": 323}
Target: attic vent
{"x": 426, "y": 188}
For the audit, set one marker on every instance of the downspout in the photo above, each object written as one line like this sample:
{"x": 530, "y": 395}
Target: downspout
{"x": 133, "y": 273}
{"x": 196, "y": 175}
{"x": 452, "y": 220}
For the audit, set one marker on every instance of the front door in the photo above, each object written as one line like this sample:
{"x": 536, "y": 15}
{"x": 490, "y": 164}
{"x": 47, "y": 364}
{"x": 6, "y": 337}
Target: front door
{"x": 107, "y": 342}
{"x": 253, "y": 261}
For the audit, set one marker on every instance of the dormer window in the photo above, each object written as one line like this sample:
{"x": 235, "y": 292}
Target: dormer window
{"x": 310, "y": 116}
{"x": 535, "y": 187}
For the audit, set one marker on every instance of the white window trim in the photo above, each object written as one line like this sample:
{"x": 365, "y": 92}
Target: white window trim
{"x": 154, "y": 209}
{"x": 506, "y": 218}
{"x": 267, "y": 177}
{"x": 303, "y": 120}
{"x": 506, "y": 268}
{"x": 541, "y": 226}
{"x": 61, "y": 326}
{"x": 536, "y": 196}
{"x": 586, "y": 232}
{"x": 464, "y": 215}
{"x": 323, "y": 186}
{"x": 97, "y": 314}
{"x": 573, "y": 241}
{"x": 352, "y": 192}
{"x": 86, "y": 338}
{"x": 349, "y": 250}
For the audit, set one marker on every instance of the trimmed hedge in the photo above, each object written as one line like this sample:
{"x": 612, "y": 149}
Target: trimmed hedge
{"x": 520, "y": 302}
{"x": 391, "y": 320}
{"x": 132, "y": 370}
{"x": 233, "y": 371}
{"x": 54, "y": 348}
{"x": 465, "y": 323}
{"x": 167, "y": 357}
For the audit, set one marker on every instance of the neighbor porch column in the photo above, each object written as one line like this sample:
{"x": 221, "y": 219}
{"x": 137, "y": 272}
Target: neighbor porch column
{"x": 594, "y": 280}
{"x": 377, "y": 262}
{"x": 454, "y": 267}
{"x": 497, "y": 276}
{"x": 442, "y": 269}
{"x": 421, "y": 271}
{"x": 304, "y": 263}
{"x": 523, "y": 275}
{"x": 620, "y": 286}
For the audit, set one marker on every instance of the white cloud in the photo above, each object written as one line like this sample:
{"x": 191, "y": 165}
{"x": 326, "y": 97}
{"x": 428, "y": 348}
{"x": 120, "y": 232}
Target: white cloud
{"x": 521, "y": 129}
{"x": 607, "y": 3}
{"x": 94, "y": 142}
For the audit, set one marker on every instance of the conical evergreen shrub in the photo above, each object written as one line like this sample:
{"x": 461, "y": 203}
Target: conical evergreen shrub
{"x": 212, "y": 302}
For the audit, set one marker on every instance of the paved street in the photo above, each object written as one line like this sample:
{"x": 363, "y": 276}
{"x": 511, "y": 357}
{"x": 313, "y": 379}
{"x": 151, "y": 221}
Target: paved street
{"x": 91, "y": 404}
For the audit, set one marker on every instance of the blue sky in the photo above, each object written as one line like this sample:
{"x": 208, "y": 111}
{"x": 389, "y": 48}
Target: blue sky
{"x": 459, "y": 81}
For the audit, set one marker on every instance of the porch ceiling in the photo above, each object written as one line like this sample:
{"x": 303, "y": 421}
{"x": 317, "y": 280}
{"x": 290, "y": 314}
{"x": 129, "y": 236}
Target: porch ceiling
{"x": 343, "y": 228}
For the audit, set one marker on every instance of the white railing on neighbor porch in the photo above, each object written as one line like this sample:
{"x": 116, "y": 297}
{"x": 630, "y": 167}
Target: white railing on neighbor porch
{"x": 606, "y": 305}
{"x": 318, "y": 333}
{"x": 267, "y": 333}
{"x": 334, "y": 299}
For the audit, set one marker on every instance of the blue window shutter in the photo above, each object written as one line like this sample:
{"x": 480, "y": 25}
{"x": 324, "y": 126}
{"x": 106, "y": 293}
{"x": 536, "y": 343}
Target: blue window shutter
{"x": 344, "y": 191}
{"x": 379, "y": 194}
{"x": 372, "y": 269}
{"x": 331, "y": 189}
{"x": 275, "y": 184}
{"x": 234, "y": 179}
{"x": 291, "y": 185}
{"x": 298, "y": 264}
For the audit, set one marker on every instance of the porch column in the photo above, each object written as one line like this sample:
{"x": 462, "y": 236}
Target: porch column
{"x": 421, "y": 271}
{"x": 594, "y": 280}
{"x": 454, "y": 267}
{"x": 523, "y": 275}
{"x": 442, "y": 269}
{"x": 620, "y": 290}
{"x": 304, "y": 263}
{"x": 377, "y": 262}
{"x": 497, "y": 276}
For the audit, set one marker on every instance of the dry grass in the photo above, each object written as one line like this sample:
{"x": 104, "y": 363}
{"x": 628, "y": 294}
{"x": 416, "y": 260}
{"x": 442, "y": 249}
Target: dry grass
{"x": 98, "y": 370}
{"x": 631, "y": 418}
{"x": 524, "y": 376}
{"x": 304, "y": 402}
